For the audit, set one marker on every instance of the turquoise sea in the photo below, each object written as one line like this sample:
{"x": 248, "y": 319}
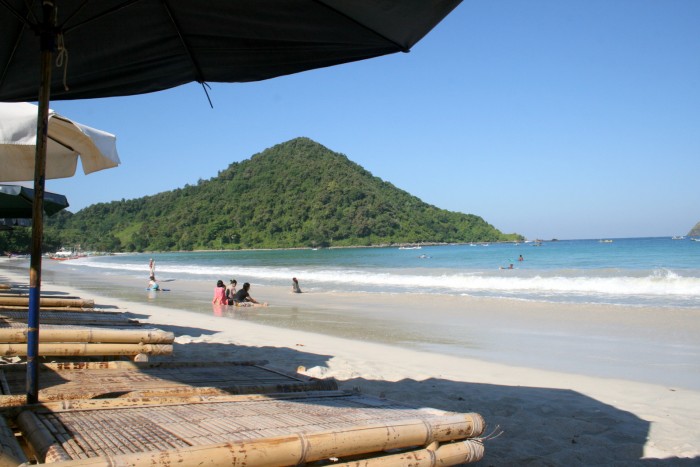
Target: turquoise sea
{"x": 659, "y": 272}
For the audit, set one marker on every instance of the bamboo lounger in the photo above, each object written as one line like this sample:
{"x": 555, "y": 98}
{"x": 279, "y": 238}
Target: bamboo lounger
{"x": 91, "y": 380}
{"x": 49, "y": 302}
{"x": 11, "y": 332}
{"x": 72, "y": 341}
{"x": 25, "y": 293}
{"x": 253, "y": 430}
{"x": 48, "y": 308}
{"x": 87, "y": 349}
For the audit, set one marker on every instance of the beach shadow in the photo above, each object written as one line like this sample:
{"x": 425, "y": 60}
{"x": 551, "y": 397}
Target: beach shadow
{"x": 133, "y": 315}
{"x": 184, "y": 330}
{"x": 284, "y": 358}
{"x": 47, "y": 293}
{"x": 540, "y": 426}
{"x": 537, "y": 426}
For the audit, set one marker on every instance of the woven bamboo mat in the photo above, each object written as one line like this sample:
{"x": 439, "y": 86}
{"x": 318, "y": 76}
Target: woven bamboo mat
{"x": 88, "y": 380}
{"x": 298, "y": 427}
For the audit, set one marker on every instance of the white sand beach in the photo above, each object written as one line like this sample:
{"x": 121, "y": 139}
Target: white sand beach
{"x": 547, "y": 418}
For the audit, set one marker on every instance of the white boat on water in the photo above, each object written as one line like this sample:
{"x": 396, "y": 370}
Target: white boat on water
{"x": 605, "y": 241}
{"x": 410, "y": 248}
{"x": 678, "y": 237}
{"x": 63, "y": 254}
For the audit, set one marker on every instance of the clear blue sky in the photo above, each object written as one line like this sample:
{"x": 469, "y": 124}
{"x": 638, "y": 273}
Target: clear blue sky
{"x": 576, "y": 119}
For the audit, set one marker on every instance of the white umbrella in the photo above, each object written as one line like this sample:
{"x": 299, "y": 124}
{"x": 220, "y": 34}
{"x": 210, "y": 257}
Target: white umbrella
{"x": 23, "y": 137}
{"x": 67, "y": 141}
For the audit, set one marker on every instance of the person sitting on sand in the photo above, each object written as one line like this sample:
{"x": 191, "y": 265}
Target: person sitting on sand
{"x": 231, "y": 290}
{"x": 243, "y": 298}
{"x": 295, "y": 285}
{"x": 152, "y": 284}
{"x": 220, "y": 294}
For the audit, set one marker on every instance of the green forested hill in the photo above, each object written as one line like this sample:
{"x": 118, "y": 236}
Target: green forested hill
{"x": 295, "y": 194}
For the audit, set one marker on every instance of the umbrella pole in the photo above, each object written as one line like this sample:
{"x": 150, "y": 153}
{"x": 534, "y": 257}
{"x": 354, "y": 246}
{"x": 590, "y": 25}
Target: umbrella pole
{"x": 48, "y": 41}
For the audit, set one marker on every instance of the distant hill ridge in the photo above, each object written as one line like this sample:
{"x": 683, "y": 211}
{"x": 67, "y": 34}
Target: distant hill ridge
{"x": 695, "y": 231}
{"x": 294, "y": 194}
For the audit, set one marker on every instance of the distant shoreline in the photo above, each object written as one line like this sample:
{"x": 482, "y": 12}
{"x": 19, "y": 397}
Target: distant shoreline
{"x": 381, "y": 245}
{"x": 389, "y": 245}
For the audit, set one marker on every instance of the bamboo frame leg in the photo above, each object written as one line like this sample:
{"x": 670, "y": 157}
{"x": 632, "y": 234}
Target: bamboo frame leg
{"x": 11, "y": 453}
{"x": 45, "y": 447}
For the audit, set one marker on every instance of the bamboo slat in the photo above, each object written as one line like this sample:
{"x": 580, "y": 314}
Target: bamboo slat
{"x": 11, "y": 453}
{"x": 290, "y": 429}
{"x": 75, "y": 349}
{"x": 45, "y": 301}
{"x": 286, "y": 451}
{"x": 90, "y": 380}
{"x": 72, "y": 309}
{"x": 46, "y": 447}
{"x": 457, "y": 453}
{"x": 5, "y": 286}
{"x": 17, "y": 333}
{"x": 25, "y": 293}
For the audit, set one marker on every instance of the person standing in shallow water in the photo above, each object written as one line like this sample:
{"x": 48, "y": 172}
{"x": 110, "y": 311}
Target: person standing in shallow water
{"x": 152, "y": 268}
{"x": 295, "y": 285}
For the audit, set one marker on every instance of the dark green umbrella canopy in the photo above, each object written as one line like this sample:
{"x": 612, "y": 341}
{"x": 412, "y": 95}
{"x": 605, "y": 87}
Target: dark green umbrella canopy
{"x": 126, "y": 47}
{"x": 16, "y": 202}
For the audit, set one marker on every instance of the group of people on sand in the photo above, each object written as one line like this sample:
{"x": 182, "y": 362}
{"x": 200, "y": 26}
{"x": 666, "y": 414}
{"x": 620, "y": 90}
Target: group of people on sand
{"x": 223, "y": 294}
{"x": 228, "y": 295}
